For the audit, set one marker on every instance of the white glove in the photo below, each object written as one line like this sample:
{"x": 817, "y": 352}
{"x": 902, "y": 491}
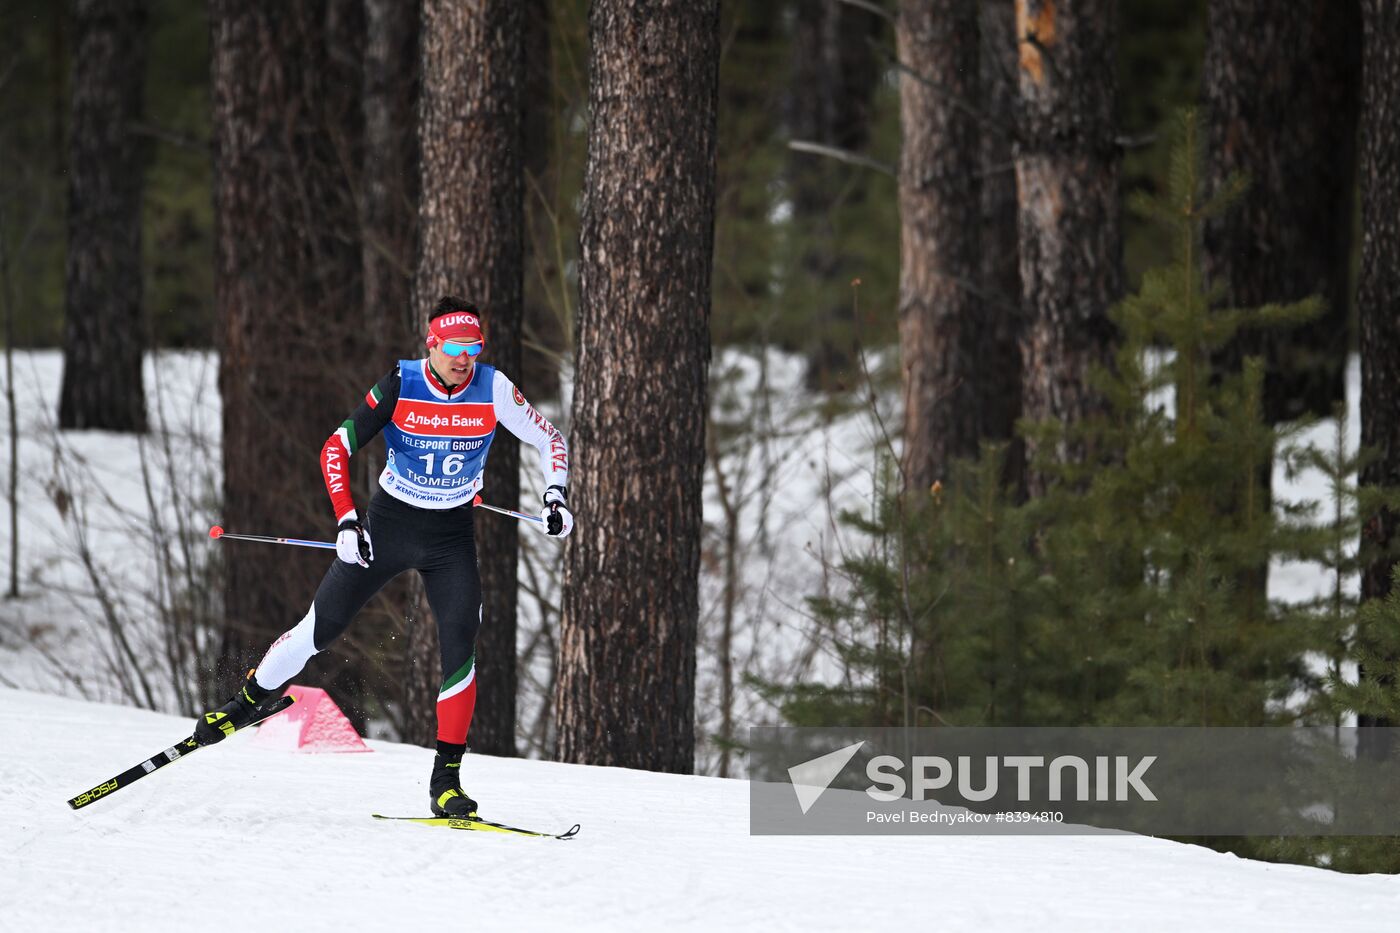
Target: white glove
{"x": 352, "y": 543}
{"x": 558, "y": 520}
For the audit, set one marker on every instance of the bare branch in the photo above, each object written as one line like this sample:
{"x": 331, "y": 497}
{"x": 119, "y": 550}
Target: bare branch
{"x": 841, "y": 155}
{"x": 870, "y": 7}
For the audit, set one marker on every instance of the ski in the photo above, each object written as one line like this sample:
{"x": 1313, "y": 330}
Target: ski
{"x": 479, "y": 825}
{"x": 161, "y": 759}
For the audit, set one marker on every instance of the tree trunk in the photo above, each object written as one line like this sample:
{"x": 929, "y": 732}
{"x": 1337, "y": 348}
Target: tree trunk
{"x": 625, "y": 694}
{"x": 389, "y": 204}
{"x": 998, "y": 355}
{"x": 830, "y": 101}
{"x": 545, "y": 331}
{"x": 1067, "y": 193}
{"x": 288, "y": 287}
{"x": 104, "y": 335}
{"x": 940, "y": 314}
{"x": 1280, "y": 95}
{"x": 393, "y": 329}
{"x": 1378, "y": 292}
{"x": 472, "y": 228}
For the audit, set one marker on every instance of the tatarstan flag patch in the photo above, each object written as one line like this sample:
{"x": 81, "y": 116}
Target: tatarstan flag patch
{"x": 373, "y": 396}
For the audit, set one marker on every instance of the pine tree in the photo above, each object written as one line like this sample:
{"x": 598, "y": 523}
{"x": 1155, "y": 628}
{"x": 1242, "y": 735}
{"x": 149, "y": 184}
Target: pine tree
{"x": 288, "y": 287}
{"x": 1114, "y": 598}
{"x": 625, "y": 693}
{"x": 1176, "y": 517}
{"x": 1378, "y": 295}
{"x": 1279, "y": 100}
{"x": 472, "y": 243}
{"x": 1067, "y": 188}
{"x": 942, "y": 317}
{"x": 998, "y": 354}
{"x": 104, "y": 336}
{"x": 388, "y": 204}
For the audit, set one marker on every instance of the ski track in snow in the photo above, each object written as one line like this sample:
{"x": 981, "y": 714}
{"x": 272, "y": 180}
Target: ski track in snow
{"x": 240, "y": 838}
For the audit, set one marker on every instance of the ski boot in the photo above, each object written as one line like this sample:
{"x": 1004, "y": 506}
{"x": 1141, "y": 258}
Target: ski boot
{"x": 445, "y": 787}
{"x": 217, "y": 725}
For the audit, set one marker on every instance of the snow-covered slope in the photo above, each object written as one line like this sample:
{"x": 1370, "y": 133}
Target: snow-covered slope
{"x": 241, "y": 838}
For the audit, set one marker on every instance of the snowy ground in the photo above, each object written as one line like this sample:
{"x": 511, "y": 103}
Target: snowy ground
{"x": 242, "y": 838}
{"x": 99, "y": 491}
{"x": 655, "y": 851}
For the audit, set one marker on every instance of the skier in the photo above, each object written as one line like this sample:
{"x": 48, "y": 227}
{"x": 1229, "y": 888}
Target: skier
{"x": 438, "y": 416}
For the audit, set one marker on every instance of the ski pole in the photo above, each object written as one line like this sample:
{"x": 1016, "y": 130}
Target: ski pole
{"x": 511, "y": 512}
{"x": 218, "y": 532}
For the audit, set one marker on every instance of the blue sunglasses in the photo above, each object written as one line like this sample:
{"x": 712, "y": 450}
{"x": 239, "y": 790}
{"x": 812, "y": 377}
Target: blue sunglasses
{"x": 457, "y": 349}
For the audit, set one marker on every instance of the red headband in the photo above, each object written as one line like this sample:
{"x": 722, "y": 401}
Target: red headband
{"x": 461, "y": 326}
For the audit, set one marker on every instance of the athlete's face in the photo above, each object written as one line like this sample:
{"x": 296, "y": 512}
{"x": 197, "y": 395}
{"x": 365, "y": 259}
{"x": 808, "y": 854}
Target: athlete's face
{"x": 455, "y": 369}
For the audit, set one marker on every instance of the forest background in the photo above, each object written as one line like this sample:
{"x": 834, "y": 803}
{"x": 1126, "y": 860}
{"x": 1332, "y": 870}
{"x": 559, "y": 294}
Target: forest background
{"x": 1028, "y": 222}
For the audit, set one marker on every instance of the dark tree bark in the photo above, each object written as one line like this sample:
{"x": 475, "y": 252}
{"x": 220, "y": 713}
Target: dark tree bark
{"x": 1067, "y": 191}
{"x": 393, "y": 328}
{"x": 471, "y": 223}
{"x": 389, "y": 205}
{"x": 288, "y": 287}
{"x": 544, "y": 334}
{"x": 998, "y": 358}
{"x": 1280, "y": 95}
{"x": 625, "y": 694}
{"x": 830, "y": 101}
{"x": 940, "y": 314}
{"x": 1378, "y": 293}
{"x": 104, "y": 336}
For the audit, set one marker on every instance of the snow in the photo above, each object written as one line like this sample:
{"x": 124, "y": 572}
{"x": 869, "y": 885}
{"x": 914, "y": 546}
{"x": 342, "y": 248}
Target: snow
{"x": 247, "y": 837}
{"x": 240, "y": 837}
{"x": 101, "y": 490}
